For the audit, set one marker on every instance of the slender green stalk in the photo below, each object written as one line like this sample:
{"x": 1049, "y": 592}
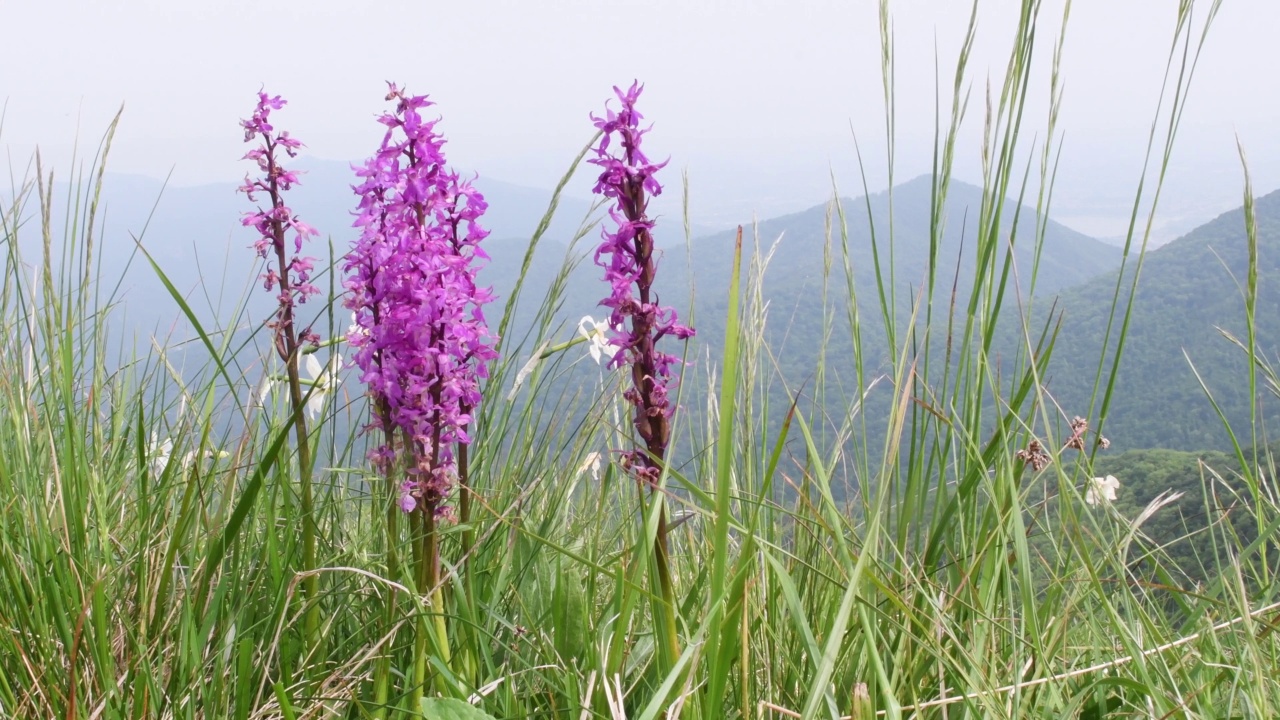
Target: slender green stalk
{"x": 435, "y": 592}
{"x": 391, "y": 543}
{"x": 664, "y": 607}
{"x": 418, "y": 533}
{"x": 311, "y": 585}
{"x": 465, "y": 492}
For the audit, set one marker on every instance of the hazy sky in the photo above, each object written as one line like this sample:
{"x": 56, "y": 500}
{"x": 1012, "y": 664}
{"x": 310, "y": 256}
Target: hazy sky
{"x": 757, "y": 100}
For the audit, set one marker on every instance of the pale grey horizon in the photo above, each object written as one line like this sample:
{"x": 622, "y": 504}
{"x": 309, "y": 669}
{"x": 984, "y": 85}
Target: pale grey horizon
{"x": 757, "y": 101}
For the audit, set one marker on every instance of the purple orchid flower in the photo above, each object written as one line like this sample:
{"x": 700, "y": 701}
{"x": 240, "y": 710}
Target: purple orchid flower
{"x": 637, "y": 321}
{"x": 420, "y": 339}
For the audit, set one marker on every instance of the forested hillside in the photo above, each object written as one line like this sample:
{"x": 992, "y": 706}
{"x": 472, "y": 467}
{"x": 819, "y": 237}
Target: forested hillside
{"x": 1190, "y": 292}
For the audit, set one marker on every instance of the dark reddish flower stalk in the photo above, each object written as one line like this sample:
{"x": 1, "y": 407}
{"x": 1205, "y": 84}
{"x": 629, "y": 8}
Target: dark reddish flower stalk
{"x": 290, "y": 276}
{"x": 637, "y": 321}
{"x": 420, "y": 335}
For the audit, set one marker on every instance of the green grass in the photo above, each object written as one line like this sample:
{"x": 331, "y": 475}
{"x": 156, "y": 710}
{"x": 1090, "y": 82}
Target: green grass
{"x": 930, "y": 570}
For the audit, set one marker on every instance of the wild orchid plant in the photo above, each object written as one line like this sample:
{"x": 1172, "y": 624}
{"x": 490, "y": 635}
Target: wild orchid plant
{"x": 637, "y": 321}
{"x": 420, "y": 336}
{"x": 288, "y": 274}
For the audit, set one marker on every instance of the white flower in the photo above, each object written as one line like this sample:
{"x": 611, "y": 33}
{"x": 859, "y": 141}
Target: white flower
{"x": 158, "y": 453}
{"x": 1101, "y": 489}
{"x": 323, "y": 381}
{"x": 596, "y": 334}
{"x": 189, "y": 459}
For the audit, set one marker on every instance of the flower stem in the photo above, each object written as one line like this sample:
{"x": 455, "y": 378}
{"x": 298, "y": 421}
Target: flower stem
{"x": 311, "y": 585}
{"x": 288, "y": 346}
{"x": 432, "y": 555}
{"x": 417, "y": 533}
{"x": 382, "y": 672}
{"x": 427, "y": 578}
{"x": 468, "y": 544}
{"x": 666, "y": 587}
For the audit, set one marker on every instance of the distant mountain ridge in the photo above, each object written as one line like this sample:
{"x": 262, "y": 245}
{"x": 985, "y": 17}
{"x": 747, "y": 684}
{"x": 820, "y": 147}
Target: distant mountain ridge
{"x": 195, "y": 234}
{"x": 1068, "y": 257}
{"x": 794, "y": 282}
{"x": 205, "y": 220}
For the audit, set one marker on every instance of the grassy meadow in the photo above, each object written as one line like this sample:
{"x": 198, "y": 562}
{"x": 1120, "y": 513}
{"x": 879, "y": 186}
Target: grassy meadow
{"x": 947, "y": 557}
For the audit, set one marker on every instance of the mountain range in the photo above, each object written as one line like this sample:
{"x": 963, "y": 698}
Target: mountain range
{"x": 1188, "y": 289}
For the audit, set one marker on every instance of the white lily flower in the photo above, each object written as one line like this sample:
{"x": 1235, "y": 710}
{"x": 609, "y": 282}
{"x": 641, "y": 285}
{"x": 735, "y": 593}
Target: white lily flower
{"x": 158, "y": 453}
{"x": 1101, "y": 489}
{"x": 597, "y": 335}
{"x": 189, "y": 459}
{"x": 323, "y": 381}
